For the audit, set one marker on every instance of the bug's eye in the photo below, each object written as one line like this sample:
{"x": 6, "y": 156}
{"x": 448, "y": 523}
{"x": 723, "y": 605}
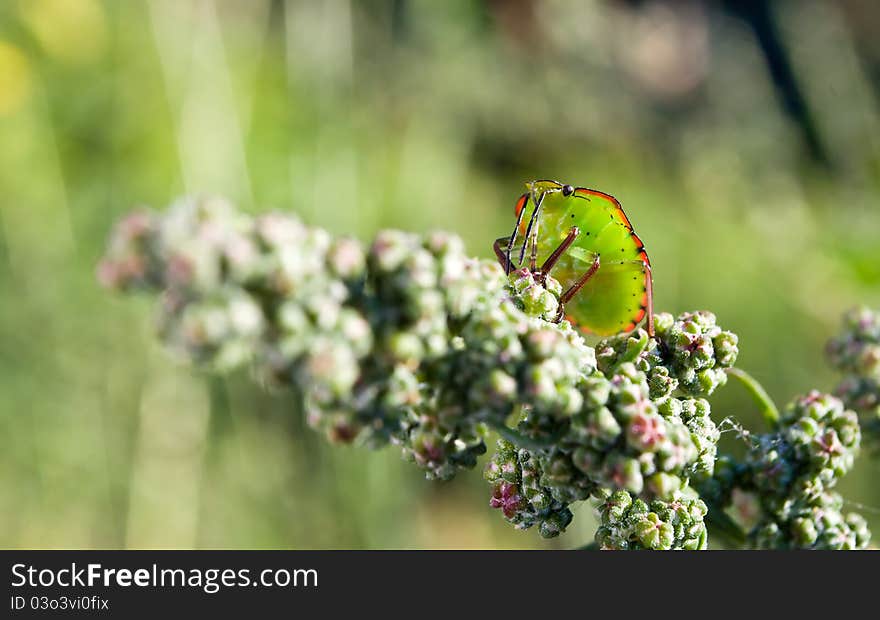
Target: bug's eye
{"x": 567, "y": 190}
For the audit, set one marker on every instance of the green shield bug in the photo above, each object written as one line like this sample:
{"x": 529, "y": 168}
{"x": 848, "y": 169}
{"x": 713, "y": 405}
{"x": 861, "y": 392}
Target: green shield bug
{"x": 584, "y": 237}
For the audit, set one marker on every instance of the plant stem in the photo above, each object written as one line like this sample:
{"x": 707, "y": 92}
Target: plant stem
{"x": 759, "y": 395}
{"x": 517, "y": 438}
{"x": 219, "y": 420}
{"x": 723, "y": 527}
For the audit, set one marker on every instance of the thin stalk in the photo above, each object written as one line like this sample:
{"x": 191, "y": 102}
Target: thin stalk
{"x": 517, "y": 438}
{"x": 219, "y": 421}
{"x": 759, "y": 395}
{"x": 721, "y": 526}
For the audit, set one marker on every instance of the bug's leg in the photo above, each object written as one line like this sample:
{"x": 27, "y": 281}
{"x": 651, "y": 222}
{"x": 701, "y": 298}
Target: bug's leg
{"x": 533, "y": 255}
{"x": 551, "y": 261}
{"x": 574, "y": 288}
{"x": 502, "y": 255}
{"x": 560, "y": 313}
{"x": 532, "y": 222}
{"x": 521, "y": 205}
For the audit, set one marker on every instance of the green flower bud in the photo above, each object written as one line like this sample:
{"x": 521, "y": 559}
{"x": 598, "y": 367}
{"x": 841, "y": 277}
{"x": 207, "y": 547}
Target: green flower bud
{"x": 346, "y": 259}
{"x": 664, "y": 485}
{"x": 653, "y": 533}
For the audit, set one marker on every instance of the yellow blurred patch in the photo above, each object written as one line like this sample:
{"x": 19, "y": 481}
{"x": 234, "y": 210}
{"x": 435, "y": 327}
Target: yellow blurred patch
{"x": 15, "y": 78}
{"x": 73, "y": 31}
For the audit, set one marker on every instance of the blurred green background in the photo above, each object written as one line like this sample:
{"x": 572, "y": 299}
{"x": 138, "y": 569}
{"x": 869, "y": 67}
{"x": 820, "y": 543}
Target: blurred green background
{"x": 743, "y": 139}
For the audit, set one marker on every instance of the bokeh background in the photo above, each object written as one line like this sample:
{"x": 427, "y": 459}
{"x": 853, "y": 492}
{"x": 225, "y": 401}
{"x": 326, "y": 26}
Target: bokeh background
{"x": 743, "y": 139}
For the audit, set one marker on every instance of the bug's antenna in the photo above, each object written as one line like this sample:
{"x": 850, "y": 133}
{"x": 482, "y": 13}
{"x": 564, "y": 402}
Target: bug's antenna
{"x": 522, "y": 203}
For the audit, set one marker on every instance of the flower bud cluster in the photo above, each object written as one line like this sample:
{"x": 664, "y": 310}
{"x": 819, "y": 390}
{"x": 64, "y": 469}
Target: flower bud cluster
{"x": 627, "y": 522}
{"x": 856, "y": 353}
{"x": 625, "y": 440}
{"x": 519, "y": 491}
{"x": 641, "y": 427}
{"x": 819, "y": 524}
{"x": 490, "y": 357}
{"x": 856, "y": 350}
{"x": 688, "y": 355}
{"x": 793, "y": 471}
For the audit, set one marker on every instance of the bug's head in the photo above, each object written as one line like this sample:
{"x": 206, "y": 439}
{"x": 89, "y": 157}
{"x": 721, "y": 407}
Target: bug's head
{"x": 546, "y": 186}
